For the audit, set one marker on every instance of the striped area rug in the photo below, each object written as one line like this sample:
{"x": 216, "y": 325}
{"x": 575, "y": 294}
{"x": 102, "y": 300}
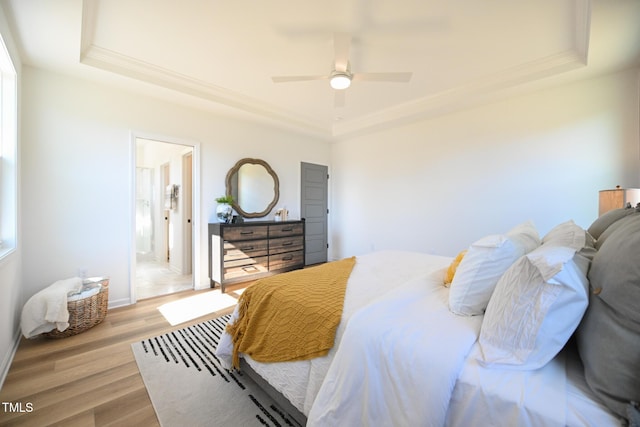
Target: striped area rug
{"x": 188, "y": 386}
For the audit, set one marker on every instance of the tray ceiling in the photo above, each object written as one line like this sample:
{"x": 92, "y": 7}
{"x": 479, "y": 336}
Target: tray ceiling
{"x": 224, "y": 54}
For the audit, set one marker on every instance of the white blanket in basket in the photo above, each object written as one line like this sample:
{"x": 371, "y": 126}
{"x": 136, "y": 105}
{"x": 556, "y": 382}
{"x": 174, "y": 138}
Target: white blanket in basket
{"x": 47, "y": 310}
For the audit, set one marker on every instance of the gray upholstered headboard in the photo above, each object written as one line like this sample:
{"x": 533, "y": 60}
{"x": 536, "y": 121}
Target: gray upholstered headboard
{"x": 609, "y": 335}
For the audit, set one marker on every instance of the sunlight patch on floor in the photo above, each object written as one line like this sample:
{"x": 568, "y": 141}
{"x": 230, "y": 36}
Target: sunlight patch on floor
{"x": 239, "y": 291}
{"x": 192, "y": 307}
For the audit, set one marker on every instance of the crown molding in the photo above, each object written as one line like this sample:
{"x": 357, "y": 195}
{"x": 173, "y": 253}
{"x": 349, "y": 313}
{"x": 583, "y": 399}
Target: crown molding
{"x": 109, "y": 60}
{"x": 490, "y": 88}
{"x": 487, "y": 89}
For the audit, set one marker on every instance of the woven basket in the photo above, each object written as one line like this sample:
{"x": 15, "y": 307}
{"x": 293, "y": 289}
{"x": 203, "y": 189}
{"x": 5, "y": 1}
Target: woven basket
{"x": 85, "y": 313}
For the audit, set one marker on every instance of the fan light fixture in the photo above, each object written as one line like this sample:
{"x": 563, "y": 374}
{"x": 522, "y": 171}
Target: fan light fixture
{"x": 341, "y": 76}
{"x": 340, "y": 80}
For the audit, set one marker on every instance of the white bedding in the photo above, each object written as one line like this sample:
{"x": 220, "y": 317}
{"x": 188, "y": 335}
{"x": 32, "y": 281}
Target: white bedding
{"x": 502, "y": 397}
{"x": 397, "y": 379}
{"x": 428, "y": 375}
{"x": 373, "y": 276}
{"x": 377, "y": 376}
{"x": 555, "y": 395}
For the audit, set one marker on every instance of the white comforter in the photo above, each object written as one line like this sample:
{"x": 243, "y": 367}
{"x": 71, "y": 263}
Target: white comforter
{"x": 374, "y": 276}
{"x": 380, "y": 377}
{"x": 426, "y": 374}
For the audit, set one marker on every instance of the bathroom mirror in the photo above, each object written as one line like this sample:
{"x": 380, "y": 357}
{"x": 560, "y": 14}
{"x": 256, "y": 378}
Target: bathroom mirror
{"x": 254, "y": 186}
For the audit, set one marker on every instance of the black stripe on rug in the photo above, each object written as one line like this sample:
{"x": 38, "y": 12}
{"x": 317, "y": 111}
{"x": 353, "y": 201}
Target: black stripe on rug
{"x": 188, "y": 385}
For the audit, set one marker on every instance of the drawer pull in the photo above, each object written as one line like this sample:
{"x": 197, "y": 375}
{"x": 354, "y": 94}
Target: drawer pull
{"x": 288, "y": 229}
{"x": 248, "y": 248}
{"x": 246, "y": 233}
{"x": 250, "y": 269}
{"x": 287, "y": 243}
{"x": 287, "y": 258}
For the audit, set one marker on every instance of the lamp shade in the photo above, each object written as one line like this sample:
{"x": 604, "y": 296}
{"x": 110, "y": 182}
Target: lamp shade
{"x": 617, "y": 198}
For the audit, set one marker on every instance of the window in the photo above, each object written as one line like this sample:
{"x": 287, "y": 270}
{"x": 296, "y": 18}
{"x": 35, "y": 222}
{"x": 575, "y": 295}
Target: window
{"x": 8, "y": 152}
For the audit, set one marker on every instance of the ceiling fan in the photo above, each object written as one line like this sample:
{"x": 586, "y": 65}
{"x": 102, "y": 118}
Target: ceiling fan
{"x": 341, "y": 76}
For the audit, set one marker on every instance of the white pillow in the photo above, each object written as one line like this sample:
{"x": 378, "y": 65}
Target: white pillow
{"x": 535, "y": 308}
{"x": 567, "y": 234}
{"x": 486, "y": 260}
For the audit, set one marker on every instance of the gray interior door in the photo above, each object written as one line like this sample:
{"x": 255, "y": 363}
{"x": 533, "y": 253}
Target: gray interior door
{"x": 313, "y": 209}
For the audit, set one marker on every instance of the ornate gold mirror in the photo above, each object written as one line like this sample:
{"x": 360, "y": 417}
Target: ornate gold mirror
{"x": 254, "y": 186}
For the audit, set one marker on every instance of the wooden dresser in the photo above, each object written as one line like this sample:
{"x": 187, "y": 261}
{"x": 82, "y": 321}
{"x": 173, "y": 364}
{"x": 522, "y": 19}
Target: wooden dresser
{"x": 250, "y": 250}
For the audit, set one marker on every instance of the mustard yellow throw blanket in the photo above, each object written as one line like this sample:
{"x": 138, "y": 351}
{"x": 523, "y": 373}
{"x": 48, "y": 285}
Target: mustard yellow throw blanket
{"x": 291, "y": 316}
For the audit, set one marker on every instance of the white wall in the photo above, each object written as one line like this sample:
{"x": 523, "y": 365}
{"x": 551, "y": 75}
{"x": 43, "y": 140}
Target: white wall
{"x": 76, "y": 173}
{"x": 446, "y": 182}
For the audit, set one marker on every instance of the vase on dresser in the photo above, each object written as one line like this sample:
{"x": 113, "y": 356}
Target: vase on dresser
{"x": 224, "y": 212}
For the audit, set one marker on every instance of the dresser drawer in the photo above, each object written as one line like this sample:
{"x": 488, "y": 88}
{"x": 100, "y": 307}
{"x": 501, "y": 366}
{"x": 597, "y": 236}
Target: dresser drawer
{"x": 245, "y": 249}
{"x": 286, "y": 244}
{"x": 251, "y": 250}
{"x": 283, "y": 230}
{"x": 245, "y": 233}
{"x": 286, "y": 260}
{"x": 245, "y": 268}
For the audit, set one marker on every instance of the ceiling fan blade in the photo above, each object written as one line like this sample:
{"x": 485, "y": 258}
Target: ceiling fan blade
{"x": 341, "y": 46}
{"x": 383, "y": 77}
{"x": 285, "y": 79}
{"x": 340, "y": 98}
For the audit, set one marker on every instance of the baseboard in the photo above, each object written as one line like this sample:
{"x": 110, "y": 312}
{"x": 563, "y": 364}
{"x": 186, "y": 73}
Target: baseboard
{"x": 8, "y": 358}
{"x": 119, "y": 303}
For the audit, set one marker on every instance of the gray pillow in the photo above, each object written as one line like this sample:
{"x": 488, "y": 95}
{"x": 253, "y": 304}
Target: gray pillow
{"x": 614, "y": 226}
{"x": 605, "y": 220}
{"x": 609, "y": 334}
{"x": 633, "y": 413}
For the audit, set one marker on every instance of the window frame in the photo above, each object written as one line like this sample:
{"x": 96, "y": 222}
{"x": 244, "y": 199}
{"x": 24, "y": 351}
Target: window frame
{"x": 8, "y": 153}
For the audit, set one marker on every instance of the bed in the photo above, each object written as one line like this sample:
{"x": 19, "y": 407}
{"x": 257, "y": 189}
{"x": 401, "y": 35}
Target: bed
{"x": 514, "y": 331}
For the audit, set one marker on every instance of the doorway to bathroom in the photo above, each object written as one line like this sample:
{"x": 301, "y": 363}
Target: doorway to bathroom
{"x": 163, "y": 218}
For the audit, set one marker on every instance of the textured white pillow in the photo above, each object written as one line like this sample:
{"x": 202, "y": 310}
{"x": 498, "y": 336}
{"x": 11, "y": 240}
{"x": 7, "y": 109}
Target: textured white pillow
{"x": 536, "y": 306}
{"x": 567, "y": 234}
{"x": 486, "y": 260}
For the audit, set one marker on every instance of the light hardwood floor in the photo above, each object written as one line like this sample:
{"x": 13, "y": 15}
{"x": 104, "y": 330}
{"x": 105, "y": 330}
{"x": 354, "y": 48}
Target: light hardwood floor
{"x": 90, "y": 379}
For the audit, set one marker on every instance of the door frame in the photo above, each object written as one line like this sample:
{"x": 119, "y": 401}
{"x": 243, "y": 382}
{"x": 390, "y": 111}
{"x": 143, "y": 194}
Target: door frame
{"x": 187, "y": 205}
{"x": 195, "y": 218}
{"x": 165, "y": 173}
